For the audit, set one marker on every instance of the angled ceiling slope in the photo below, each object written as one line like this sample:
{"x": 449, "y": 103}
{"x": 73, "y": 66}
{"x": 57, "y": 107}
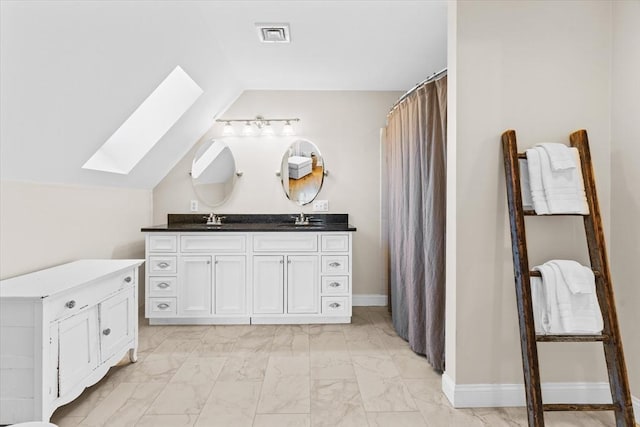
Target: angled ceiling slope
{"x": 73, "y": 72}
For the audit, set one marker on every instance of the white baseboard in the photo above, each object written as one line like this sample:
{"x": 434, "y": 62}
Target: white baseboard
{"x": 505, "y": 395}
{"x": 369, "y": 300}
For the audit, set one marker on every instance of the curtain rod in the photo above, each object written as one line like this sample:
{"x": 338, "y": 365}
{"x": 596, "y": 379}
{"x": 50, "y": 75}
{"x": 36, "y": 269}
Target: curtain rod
{"x": 418, "y": 86}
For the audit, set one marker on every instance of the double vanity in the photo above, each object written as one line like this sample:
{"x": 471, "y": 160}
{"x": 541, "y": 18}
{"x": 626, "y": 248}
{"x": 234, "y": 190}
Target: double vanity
{"x": 249, "y": 269}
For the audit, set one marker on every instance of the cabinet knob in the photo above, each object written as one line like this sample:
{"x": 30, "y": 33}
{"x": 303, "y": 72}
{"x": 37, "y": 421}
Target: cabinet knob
{"x": 334, "y": 305}
{"x": 70, "y": 304}
{"x": 334, "y": 264}
{"x": 127, "y": 279}
{"x": 163, "y": 306}
{"x": 281, "y": 261}
{"x": 163, "y": 285}
{"x": 334, "y": 285}
{"x": 107, "y": 331}
{"x": 288, "y": 261}
{"x": 163, "y": 264}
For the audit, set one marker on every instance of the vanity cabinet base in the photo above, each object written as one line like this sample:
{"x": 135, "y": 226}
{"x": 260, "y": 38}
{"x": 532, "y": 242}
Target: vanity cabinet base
{"x": 221, "y": 278}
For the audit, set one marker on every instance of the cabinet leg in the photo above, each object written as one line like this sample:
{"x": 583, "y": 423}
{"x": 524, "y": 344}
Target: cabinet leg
{"x": 133, "y": 355}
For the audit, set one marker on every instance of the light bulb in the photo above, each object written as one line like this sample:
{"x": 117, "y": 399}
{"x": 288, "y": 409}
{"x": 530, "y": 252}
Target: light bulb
{"x": 287, "y": 129}
{"x": 228, "y": 129}
{"x": 267, "y": 130}
{"x": 247, "y": 130}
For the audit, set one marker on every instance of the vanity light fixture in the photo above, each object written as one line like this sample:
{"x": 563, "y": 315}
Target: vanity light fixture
{"x": 287, "y": 129}
{"x": 247, "y": 130}
{"x": 267, "y": 130}
{"x": 228, "y": 130}
{"x": 262, "y": 124}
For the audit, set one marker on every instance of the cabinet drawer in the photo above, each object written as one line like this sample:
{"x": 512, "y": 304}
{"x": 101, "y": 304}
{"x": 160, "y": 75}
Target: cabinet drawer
{"x": 162, "y": 265}
{"x": 72, "y": 302}
{"x": 335, "y": 284}
{"x": 162, "y": 307}
{"x": 334, "y": 242}
{"x": 336, "y": 306}
{"x": 162, "y": 286}
{"x": 335, "y": 263}
{"x": 163, "y": 243}
{"x": 285, "y": 242}
{"x": 206, "y": 243}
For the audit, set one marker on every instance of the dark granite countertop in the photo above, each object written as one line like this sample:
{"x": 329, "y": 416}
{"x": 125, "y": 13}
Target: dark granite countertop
{"x": 253, "y": 223}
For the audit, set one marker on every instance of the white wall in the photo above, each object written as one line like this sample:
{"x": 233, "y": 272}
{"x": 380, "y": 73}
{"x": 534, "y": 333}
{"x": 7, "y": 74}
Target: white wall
{"x": 345, "y": 126}
{"x": 543, "y": 69}
{"x": 625, "y": 179}
{"x": 43, "y": 225}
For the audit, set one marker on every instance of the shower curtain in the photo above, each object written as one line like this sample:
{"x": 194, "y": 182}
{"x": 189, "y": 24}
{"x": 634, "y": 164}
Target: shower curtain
{"x": 415, "y": 154}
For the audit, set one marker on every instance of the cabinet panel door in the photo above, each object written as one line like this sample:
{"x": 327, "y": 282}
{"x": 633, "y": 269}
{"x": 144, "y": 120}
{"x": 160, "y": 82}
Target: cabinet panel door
{"x": 117, "y": 322}
{"x": 230, "y": 284}
{"x": 194, "y": 286}
{"x": 79, "y": 348}
{"x": 302, "y": 284}
{"x": 268, "y": 284}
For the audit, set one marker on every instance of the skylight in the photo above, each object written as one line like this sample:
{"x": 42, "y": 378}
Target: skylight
{"x": 147, "y": 125}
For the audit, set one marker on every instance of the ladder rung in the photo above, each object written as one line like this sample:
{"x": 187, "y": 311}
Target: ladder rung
{"x": 579, "y": 407}
{"x": 536, "y": 273}
{"x": 571, "y": 338}
{"x": 522, "y": 156}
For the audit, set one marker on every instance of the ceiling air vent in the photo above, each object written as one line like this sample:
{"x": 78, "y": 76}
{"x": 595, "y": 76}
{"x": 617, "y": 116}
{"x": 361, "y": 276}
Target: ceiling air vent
{"x": 273, "y": 33}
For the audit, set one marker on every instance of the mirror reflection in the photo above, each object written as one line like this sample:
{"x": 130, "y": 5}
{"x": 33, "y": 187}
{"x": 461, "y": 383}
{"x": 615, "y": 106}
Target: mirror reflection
{"x": 302, "y": 171}
{"x": 213, "y": 172}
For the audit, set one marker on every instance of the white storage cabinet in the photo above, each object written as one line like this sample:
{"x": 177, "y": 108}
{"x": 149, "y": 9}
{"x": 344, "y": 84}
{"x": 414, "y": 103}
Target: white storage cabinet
{"x": 61, "y": 329}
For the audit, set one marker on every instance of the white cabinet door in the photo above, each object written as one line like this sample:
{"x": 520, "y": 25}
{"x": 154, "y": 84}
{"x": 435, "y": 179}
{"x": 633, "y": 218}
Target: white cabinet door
{"x": 268, "y": 284}
{"x": 230, "y": 284}
{"x": 117, "y": 323}
{"x": 302, "y": 284}
{"x": 194, "y": 286}
{"x": 79, "y": 348}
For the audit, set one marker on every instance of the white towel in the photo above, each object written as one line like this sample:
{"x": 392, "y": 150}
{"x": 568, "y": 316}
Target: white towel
{"x": 563, "y": 189}
{"x": 538, "y": 197}
{"x": 540, "y": 318}
{"x": 565, "y": 302}
{"x": 525, "y": 186}
{"x": 560, "y": 155}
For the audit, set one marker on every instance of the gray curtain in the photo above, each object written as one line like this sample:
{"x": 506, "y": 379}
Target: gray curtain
{"x": 415, "y": 154}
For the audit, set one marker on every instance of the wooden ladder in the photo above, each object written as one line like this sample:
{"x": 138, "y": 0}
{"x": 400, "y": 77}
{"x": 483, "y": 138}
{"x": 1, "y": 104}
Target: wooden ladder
{"x": 610, "y": 337}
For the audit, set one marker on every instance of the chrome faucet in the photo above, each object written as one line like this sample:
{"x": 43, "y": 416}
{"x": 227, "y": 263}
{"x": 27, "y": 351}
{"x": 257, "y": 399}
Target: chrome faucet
{"x": 301, "y": 219}
{"x": 214, "y": 219}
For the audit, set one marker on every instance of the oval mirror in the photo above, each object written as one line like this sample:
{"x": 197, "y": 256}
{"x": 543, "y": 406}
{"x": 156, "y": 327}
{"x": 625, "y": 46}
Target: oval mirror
{"x": 302, "y": 171}
{"x": 213, "y": 172}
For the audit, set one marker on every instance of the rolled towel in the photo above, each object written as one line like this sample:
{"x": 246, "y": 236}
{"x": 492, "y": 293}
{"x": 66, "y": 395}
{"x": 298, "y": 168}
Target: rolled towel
{"x": 560, "y": 155}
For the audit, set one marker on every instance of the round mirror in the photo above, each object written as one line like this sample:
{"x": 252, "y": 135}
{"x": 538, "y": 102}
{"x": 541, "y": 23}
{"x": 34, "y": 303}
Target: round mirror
{"x": 213, "y": 172}
{"x": 302, "y": 171}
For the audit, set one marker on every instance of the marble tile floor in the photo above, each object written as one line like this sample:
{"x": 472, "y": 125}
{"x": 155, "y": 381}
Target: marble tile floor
{"x": 359, "y": 375}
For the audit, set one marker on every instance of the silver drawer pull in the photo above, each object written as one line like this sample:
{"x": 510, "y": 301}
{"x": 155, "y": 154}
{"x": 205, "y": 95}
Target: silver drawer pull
{"x": 163, "y": 285}
{"x": 334, "y": 285}
{"x": 334, "y": 305}
{"x": 106, "y": 331}
{"x": 163, "y": 264}
{"x": 163, "y": 306}
{"x": 127, "y": 279}
{"x": 334, "y": 264}
{"x": 70, "y": 304}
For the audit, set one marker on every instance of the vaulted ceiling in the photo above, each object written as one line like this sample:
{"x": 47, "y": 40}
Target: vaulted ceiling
{"x": 72, "y": 72}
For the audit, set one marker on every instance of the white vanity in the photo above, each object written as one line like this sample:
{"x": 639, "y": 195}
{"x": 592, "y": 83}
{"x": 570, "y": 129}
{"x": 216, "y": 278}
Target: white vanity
{"x": 61, "y": 329}
{"x": 227, "y": 276}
